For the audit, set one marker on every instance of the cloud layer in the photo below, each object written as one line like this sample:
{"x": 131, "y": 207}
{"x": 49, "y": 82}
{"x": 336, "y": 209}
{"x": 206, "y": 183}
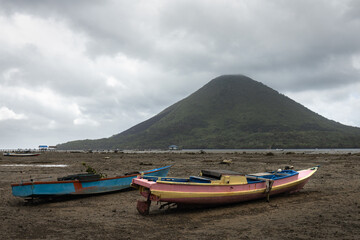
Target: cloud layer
{"x": 90, "y": 69}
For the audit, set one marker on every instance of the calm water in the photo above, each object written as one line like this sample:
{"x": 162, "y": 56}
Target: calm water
{"x": 310, "y": 151}
{"x": 305, "y": 151}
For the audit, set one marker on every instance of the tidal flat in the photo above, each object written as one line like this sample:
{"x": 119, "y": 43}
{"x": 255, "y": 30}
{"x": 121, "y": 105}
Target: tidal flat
{"x": 327, "y": 208}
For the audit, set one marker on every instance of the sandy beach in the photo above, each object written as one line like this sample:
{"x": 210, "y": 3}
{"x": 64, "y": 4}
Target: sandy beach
{"x": 327, "y": 208}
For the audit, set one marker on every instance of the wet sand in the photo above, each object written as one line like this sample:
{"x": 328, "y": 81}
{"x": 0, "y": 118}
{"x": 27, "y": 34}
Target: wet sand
{"x": 327, "y": 208}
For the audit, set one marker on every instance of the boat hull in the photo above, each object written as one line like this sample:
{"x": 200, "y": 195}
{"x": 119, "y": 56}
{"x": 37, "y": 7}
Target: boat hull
{"x": 76, "y": 187}
{"x": 208, "y": 194}
{"x": 21, "y": 154}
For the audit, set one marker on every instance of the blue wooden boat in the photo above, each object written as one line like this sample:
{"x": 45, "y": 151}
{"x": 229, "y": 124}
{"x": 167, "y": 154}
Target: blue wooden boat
{"x": 80, "y": 184}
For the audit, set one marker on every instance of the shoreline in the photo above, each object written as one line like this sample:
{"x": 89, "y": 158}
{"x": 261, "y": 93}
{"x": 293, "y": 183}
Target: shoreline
{"x": 284, "y": 151}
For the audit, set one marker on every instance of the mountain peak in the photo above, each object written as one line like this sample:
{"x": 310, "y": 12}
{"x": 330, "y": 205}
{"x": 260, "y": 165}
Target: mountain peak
{"x": 236, "y": 81}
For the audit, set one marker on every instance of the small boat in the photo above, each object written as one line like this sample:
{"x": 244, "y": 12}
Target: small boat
{"x": 80, "y": 184}
{"x": 216, "y": 187}
{"x": 8, "y": 154}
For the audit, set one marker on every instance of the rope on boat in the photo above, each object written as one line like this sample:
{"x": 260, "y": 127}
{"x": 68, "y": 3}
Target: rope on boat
{"x": 269, "y": 184}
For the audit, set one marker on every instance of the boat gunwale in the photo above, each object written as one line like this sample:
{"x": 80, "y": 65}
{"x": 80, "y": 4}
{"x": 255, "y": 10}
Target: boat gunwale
{"x": 98, "y": 180}
{"x": 220, "y": 183}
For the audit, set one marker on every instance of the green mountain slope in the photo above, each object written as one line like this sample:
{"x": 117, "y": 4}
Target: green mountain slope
{"x": 231, "y": 111}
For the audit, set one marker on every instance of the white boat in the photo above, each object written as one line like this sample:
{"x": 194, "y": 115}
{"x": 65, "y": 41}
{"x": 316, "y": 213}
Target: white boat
{"x": 21, "y": 154}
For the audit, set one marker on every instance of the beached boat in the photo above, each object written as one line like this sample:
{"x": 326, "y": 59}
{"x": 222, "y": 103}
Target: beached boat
{"x": 10, "y": 154}
{"x": 80, "y": 184}
{"x": 215, "y": 187}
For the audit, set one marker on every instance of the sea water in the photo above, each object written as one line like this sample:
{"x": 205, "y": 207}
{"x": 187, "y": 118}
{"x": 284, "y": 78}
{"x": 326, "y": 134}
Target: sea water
{"x": 305, "y": 151}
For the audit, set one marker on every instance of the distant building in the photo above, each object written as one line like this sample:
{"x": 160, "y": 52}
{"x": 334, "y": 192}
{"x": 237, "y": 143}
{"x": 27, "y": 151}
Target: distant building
{"x": 52, "y": 148}
{"x": 173, "y": 147}
{"x": 43, "y": 147}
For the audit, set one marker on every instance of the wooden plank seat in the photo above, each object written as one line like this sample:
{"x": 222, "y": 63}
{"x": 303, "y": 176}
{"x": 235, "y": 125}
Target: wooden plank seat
{"x": 268, "y": 174}
{"x": 200, "y": 179}
{"x": 216, "y": 174}
{"x": 282, "y": 174}
{"x": 261, "y": 174}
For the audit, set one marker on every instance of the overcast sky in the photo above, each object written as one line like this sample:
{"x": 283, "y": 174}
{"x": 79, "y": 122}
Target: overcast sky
{"x": 87, "y": 69}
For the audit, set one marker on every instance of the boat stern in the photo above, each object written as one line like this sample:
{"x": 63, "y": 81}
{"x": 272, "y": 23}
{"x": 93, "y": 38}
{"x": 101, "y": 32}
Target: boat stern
{"x": 143, "y": 185}
{"x": 22, "y": 190}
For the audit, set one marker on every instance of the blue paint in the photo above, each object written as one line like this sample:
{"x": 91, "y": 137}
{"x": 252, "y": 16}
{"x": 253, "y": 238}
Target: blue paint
{"x": 202, "y": 179}
{"x": 197, "y": 179}
{"x": 39, "y": 189}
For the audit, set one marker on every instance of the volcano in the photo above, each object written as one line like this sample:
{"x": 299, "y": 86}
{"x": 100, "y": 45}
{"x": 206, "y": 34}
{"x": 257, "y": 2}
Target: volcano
{"x": 231, "y": 112}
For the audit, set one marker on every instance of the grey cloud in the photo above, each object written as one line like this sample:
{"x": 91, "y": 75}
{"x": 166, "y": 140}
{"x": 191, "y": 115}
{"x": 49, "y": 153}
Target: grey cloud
{"x": 218, "y": 38}
{"x": 215, "y": 37}
{"x": 292, "y": 46}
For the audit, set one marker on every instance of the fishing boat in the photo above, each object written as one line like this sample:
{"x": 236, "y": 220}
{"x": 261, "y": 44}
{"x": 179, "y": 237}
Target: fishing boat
{"x": 80, "y": 184}
{"x": 9, "y": 154}
{"x": 216, "y": 187}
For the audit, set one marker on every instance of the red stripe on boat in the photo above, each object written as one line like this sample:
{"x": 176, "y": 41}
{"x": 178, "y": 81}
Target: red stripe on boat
{"x": 78, "y": 186}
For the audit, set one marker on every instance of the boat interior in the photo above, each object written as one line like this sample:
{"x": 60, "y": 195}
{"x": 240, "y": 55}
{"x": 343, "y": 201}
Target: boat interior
{"x": 227, "y": 177}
